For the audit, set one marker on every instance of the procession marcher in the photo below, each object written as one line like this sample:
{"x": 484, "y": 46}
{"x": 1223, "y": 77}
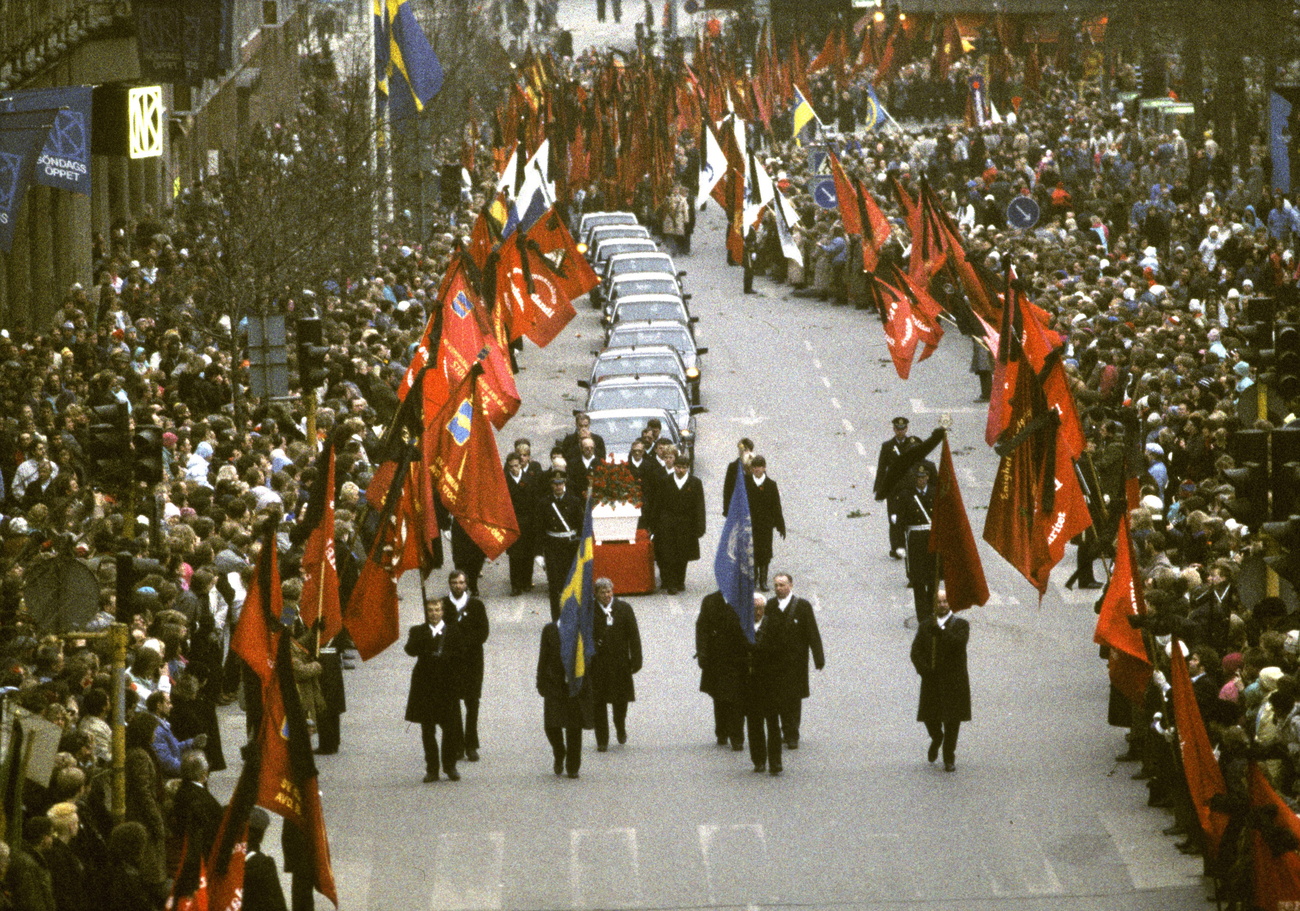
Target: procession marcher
{"x": 939, "y": 656}
{"x": 679, "y": 523}
{"x": 525, "y": 489}
{"x": 564, "y": 714}
{"x": 736, "y": 469}
{"x": 559, "y": 522}
{"x": 913, "y": 506}
{"x": 262, "y": 889}
{"x": 469, "y": 616}
{"x": 890, "y": 450}
{"x": 432, "y": 701}
{"x": 765, "y": 516}
{"x": 617, "y": 658}
{"x": 722, "y": 653}
{"x": 765, "y": 688}
{"x": 802, "y": 637}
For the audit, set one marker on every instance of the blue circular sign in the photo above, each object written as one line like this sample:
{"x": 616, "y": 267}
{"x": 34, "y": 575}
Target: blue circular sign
{"x": 1023, "y": 212}
{"x": 823, "y": 193}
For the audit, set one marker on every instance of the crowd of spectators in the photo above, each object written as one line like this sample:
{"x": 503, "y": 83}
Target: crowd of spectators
{"x": 1149, "y": 246}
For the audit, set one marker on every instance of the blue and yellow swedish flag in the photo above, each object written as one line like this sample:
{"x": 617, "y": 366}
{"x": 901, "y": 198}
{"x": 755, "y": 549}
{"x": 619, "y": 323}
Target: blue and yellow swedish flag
{"x": 877, "y": 116}
{"x": 803, "y": 113}
{"x": 406, "y": 68}
{"x": 577, "y": 606}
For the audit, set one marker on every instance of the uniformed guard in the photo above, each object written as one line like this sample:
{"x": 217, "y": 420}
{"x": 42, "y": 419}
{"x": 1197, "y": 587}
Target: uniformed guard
{"x": 914, "y": 505}
{"x": 890, "y": 451}
{"x": 560, "y": 519}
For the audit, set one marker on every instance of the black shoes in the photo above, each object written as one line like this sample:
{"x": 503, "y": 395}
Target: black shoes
{"x": 792, "y": 744}
{"x": 622, "y": 735}
{"x": 559, "y": 766}
{"x": 430, "y": 776}
{"x": 602, "y": 747}
{"x": 453, "y": 775}
{"x": 737, "y": 746}
{"x": 1091, "y": 585}
{"x": 933, "y": 753}
{"x": 760, "y": 767}
{"x": 950, "y": 766}
{"x": 573, "y": 774}
{"x": 722, "y": 741}
{"x": 471, "y": 755}
{"x": 775, "y": 770}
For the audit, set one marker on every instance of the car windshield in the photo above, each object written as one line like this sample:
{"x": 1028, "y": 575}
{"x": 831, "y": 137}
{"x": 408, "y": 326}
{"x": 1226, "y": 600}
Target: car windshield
{"x": 632, "y": 286}
{"x": 640, "y": 264}
{"x": 619, "y": 433}
{"x": 641, "y": 395}
{"x": 609, "y": 248}
{"x": 605, "y": 232}
{"x": 633, "y": 310}
{"x": 674, "y": 336}
{"x": 609, "y": 218}
{"x": 629, "y": 365}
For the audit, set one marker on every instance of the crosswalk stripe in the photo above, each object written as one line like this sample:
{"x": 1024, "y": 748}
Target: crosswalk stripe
{"x": 735, "y": 860}
{"x": 604, "y": 868}
{"x": 467, "y": 871}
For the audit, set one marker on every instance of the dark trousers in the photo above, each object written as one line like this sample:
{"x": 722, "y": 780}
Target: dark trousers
{"x": 672, "y": 570}
{"x": 302, "y": 890}
{"x": 600, "y": 10}
{"x": 728, "y": 722}
{"x": 327, "y": 728}
{"x": 471, "y": 723}
{"x": 765, "y": 738}
{"x": 945, "y": 733}
{"x": 450, "y": 748}
{"x": 566, "y": 744}
{"x": 602, "y": 720}
{"x": 618, "y": 10}
{"x": 791, "y": 715}
{"x": 558, "y": 554}
{"x": 521, "y": 566}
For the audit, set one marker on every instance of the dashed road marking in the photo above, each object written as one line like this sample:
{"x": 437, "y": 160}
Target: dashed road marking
{"x": 919, "y": 407}
{"x": 862, "y": 450}
{"x": 847, "y": 426}
{"x": 826, "y": 382}
{"x": 817, "y": 363}
{"x": 467, "y": 873}
{"x": 835, "y": 402}
{"x": 807, "y": 345}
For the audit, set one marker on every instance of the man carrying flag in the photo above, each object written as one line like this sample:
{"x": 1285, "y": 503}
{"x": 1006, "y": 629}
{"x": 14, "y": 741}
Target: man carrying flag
{"x": 567, "y": 648}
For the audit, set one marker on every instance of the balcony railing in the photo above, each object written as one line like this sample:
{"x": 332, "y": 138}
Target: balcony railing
{"x": 35, "y": 33}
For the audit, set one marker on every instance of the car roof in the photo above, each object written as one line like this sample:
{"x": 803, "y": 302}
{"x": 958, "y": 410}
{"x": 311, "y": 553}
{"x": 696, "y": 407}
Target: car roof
{"x": 630, "y": 350}
{"x": 641, "y": 379}
{"x": 641, "y": 230}
{"x": 651, "y": 297}
{"x": 607, "y": 218}
{"x": 627, "y": 326}
{"x": 619, "y": 414}
{"x": 634, "y": 243}
{"x": 643, "y": 276}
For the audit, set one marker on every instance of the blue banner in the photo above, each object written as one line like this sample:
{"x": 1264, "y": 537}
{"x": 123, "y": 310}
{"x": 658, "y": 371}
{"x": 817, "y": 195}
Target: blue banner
{"x": 733, "y": 566}
{"x": 22, "y": 133}
{"x": 64, "y": 161}
{"x": 1279, "y": 115}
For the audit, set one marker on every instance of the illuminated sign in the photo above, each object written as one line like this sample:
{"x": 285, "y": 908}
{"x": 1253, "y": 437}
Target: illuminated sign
{"x": 145, "y": 121}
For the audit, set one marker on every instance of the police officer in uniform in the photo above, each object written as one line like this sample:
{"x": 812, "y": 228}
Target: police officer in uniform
{"x": 560, "y": 521}
{"x": 913, "y": 504}
{"x": 890, "y": 451}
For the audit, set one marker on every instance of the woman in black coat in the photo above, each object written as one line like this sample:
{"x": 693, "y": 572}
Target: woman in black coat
{"x": 433, "y": 700}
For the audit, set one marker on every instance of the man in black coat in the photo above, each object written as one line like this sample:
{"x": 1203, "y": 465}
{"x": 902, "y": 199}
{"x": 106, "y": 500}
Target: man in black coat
{"x": 939, "y": 656}
{"x": 765, "y": 516}
{"x": 765, "y": 688}
{"x": 432, "y": 701}
{"x": 525, "y": 490}
{"x": 563, "y": 715}
{"x": 469, "y": 616}
{"x": 559, "y": 524}
{"x": 617, "y": 658}
{"x": 571, "y": 444}
{"x": 195, "y": 816}
{"x": 722, "y": 653}
{"x": 801, "y": 637}
{"x": 679, "y": 523}
{"x": 262, "y": 889}
{"x": 735, "y": 469}
{"x": 890, "y": 450}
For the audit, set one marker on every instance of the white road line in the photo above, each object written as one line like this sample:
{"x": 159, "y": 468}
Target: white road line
{"x": 826, "y": 382}
{"x": 807, "y": 345}
{"x": 862, "y": 450}
{"x": 817, "y": 363}
{"x": 835, "y": 402}
{"x": 707, "y": 833}
{"x": 628, "y": 880}
{"x": 467, "y": 871}
{"x": 847, "y": 426}
{"x": 919, "y": 407}
{"x": 1021, "y": 867}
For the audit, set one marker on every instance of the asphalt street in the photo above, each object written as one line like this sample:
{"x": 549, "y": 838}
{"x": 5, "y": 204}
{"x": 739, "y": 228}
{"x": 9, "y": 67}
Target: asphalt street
{"x": 1038, "y": 814}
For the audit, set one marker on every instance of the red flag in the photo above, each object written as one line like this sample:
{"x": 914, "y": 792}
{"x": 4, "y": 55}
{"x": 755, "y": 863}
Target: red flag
{"x": 256, "y": 633}
{"x": 320, "y": 577}
{"x": 467, "y": 337}
{"x": 287, "y": 782}
{"x": 226, "y": 882}
{"x": 900, "y": 327}
{"x": 1204, "y": 777}
{"x": 1005, "y": 367}
{"x": 543, "y": 275}
{"x": 875, "y": 229}
{"x": 963, "y": 573}
{"x": 1276, "y": 866}
{"x": 573, "y": 277}
{"x": 1024, "y": 488}
{"x": 1130, "y": 667}
{"x": 461, "y": 452}
{"x": 847, "y": 197}
{"x": 190, "y": 885}
{"x": 830, "y": 55}
{"x": 371, "y": 615}
{"x": 925, "y": 312}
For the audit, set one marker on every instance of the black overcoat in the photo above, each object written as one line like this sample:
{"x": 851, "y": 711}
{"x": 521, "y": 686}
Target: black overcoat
{"x": 618, "y": 654}
{"x": 679, "y": 518}
{"x": 939, "y": 656}
{"x": 471, "y": 633}
{"x": 801, "y": 638}
{"x": 433, "y": 695}
{"x": 721, "y": 650}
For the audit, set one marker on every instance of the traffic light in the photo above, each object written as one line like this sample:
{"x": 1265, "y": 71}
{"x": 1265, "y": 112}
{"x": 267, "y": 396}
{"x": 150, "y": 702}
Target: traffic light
{"x": 311, "y": 353}
{"x": 1249, "y": 449}
{"x": 1286, "y": 561}
{"x": 1284, "y": 478}
{"x": 1259, "y": 348}
{"x": 108, "y": 443}
{"x": 147, "y": 453}
{"x": 1287, "y": 345}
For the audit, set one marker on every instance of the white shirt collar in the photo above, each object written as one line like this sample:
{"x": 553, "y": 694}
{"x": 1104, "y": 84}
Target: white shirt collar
{"x": 516, "y": 476}
{"x": 437, "y": 629}
{"x": 458, "y": 603}
{"x": 941, "y": 622}
{"x": 680, "y": 482}
{"x": 758, "y": 482}
{"x": 784, "y": 603}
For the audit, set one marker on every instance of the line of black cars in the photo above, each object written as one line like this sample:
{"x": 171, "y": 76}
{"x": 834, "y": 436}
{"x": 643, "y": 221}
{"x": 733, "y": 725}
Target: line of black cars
{"x": 650, "y": 364}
